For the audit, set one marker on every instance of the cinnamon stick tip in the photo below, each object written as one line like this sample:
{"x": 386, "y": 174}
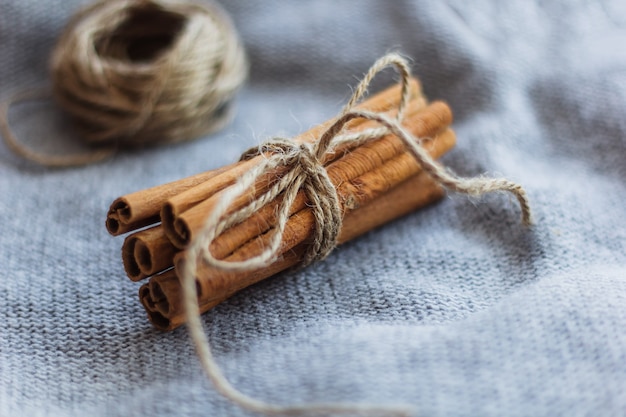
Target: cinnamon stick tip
{"x": 145, "y": 298}
{"x": 112, "y": 225}
{"x": 121, "y": 207}
{"x": 175, "y": 229}
{"x": 129, "y": 260}
{"x": 119, "y": 212}
{"x": 159, "y": 321}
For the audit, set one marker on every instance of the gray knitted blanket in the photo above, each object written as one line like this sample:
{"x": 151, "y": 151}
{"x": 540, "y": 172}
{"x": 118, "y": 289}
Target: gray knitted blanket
{"x": 455, "y": 309}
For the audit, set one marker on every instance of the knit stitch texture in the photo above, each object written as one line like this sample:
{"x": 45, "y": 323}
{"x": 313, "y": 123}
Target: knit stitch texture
{"x": 457, "y": 309}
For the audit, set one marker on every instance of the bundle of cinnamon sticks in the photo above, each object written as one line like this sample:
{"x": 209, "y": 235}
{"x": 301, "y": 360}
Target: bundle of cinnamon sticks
{"x": 376, "y": 182}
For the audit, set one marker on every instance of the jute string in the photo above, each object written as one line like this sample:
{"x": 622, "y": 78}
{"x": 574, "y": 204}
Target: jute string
{"x": 133, "y": 73}
{"x": 307, "y": 172}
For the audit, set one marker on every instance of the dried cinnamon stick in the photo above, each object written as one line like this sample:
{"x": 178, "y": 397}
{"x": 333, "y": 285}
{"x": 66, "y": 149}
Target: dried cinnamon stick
{"x": 146, "y": 253}
{"x": 142, "y": 208}
{"x": 353, "y": 191}
{"x": 423, "y": 123}
{"x": 299, "y": 227}
{"x": 416, "y": 192}
{"x": 384, "y": 101}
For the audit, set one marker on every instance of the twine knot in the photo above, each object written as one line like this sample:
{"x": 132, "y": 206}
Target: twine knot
{"x": 306, "y": 171}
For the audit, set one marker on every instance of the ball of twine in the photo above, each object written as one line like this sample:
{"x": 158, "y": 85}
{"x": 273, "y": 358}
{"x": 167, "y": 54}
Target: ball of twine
{"x": 137, "y": 72}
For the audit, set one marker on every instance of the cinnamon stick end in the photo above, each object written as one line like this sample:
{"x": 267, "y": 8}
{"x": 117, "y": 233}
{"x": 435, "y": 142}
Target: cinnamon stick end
{"x": 156, "y": 318}
{"x": 129, "y": 260}
{"x": 172, "y": 226}
{"x": 444, "y": 112}
{"x": 145, "y": 298}
{"x": 143, "y": 257}
{"x": 161, "y": 322}
{"x": 113, "y": 225}
{"x": 181, "y": 235}
{"x": 154, "y": 298}
{"x": 121, "y": 209}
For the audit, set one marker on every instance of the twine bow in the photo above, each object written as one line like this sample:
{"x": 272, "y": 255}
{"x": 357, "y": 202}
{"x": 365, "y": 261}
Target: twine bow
{"x": 305, "y": 171}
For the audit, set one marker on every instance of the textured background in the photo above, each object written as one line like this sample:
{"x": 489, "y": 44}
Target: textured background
{"x": 455, "y": 309}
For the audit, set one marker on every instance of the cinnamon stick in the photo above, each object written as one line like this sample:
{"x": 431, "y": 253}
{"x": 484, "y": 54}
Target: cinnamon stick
{"x": 142, "y": 208}
{"x": 416, "y": 192}
{"x": 179, "y": 204}
{"x": 422, "y": 123}
{"x": 146, "y": 253}
{"x": 299, "y": 227}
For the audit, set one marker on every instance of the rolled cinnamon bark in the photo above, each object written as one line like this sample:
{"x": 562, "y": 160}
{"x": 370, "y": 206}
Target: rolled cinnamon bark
{"x": 175, "y": 207}
{"x": 371, "y": 200}
{"x": 421, "y": 122}
{"x": 147, "y": 252}
{"x": 143, "y": 208}
{"x": 352, "y": 194}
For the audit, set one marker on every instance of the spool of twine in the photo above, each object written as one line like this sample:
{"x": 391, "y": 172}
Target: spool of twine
{"x": 133, "y": 73}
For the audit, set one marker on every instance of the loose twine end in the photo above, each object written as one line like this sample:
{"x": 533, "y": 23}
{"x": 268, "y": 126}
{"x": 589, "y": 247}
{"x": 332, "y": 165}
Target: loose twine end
{"x": 307, "y": 172}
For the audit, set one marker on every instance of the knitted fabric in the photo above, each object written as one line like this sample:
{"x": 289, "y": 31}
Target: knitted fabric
{"x": 455, "y": 309}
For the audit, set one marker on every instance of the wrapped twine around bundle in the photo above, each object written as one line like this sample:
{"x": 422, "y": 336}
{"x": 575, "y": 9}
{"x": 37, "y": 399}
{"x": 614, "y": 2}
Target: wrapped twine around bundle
{"x": 133, "y": 73}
